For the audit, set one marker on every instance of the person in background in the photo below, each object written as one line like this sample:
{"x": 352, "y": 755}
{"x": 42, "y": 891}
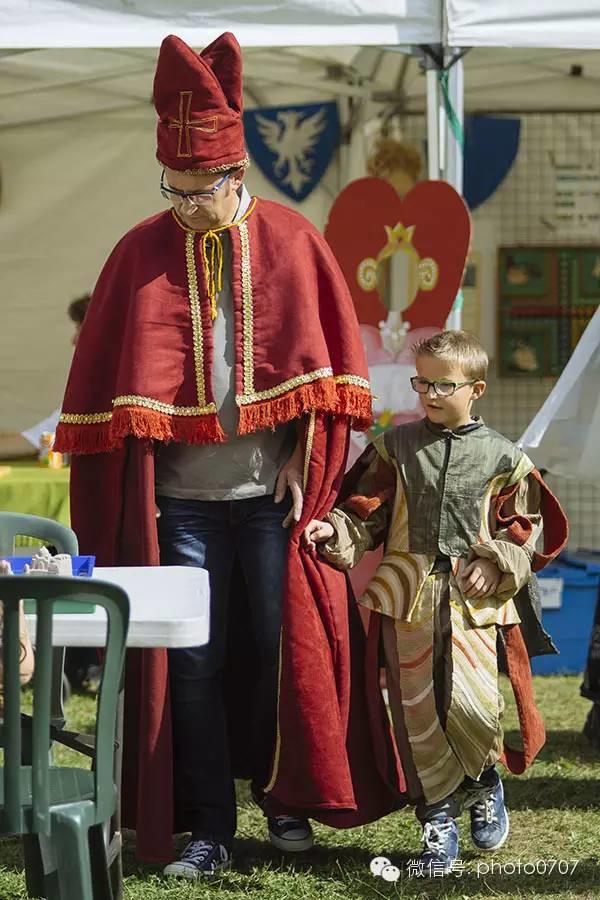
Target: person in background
{"x": 20, "y": 446}
{"x": 396, "y": 162}
{"x": 81, "y": 663}
{"x": 26, "y": 658}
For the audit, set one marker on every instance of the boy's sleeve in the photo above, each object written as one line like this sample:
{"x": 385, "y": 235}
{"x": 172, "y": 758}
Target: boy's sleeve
{"x": 361, "y": 520}
{"x": 519, "y": 515}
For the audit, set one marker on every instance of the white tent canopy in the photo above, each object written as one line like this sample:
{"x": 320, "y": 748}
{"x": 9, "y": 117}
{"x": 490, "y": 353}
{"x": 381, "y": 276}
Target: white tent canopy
{"x": 43, "y": 84}
{"x": 259, "y": 23}
{"x": 523, "y": 23}
{"x": 77, "y": 124}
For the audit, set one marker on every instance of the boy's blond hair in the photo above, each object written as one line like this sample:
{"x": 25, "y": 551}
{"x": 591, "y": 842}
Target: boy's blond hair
{"x": 460, "y": 348}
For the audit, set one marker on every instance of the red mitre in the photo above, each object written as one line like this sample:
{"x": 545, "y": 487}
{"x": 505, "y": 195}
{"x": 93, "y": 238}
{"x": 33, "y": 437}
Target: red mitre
{"x": 199, "y": 102}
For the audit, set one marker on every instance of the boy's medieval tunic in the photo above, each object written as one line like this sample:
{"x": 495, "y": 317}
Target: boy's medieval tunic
{"x": 439, "y": 499}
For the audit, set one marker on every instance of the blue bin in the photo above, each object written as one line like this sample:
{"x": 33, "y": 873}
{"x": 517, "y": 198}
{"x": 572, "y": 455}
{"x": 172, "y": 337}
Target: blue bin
{"x": 82, "y": 565}
{"x": 571, "y": 625}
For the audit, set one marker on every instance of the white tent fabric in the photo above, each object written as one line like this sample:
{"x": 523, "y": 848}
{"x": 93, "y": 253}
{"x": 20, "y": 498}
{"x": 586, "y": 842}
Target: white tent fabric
{"x": 113, "y": 23}
{"x": 523, "y": 23}
{"x": 259, "y": 23}
{"x": 77, "y": 127}
{"x": 564, "y": 436}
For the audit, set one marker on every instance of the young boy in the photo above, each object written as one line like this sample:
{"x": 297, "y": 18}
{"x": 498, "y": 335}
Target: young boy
{"x": 459, "y": 509}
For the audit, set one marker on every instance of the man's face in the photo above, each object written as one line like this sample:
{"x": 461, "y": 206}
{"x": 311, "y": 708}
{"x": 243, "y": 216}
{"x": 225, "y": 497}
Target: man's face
{"x": 204, "y": 213}
{"x": 76, "y": 334}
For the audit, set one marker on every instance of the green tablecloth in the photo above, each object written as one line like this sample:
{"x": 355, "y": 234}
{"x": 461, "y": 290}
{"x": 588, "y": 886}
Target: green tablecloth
{"x": 35, "y": 490}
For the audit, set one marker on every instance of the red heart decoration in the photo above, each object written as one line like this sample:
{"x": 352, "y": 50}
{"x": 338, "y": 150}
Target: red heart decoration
{"x": 438, "y": 215}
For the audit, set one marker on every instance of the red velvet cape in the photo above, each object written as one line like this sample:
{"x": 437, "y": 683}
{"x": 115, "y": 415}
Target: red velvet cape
{"x": 334, "y": 757}
{"x": 144, "y": 357}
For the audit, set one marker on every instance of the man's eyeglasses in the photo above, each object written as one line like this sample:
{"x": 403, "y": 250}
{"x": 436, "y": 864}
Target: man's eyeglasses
{"x": 441, "y": 388}
{"x": 193, "y": 197}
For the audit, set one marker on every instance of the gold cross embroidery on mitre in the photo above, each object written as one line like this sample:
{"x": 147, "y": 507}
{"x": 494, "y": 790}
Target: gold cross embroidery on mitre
{"x": 184, "y": 123}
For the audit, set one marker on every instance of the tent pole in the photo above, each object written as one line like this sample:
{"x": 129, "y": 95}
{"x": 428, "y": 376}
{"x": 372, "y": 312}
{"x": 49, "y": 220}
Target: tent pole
{"x": 454, "y": 157}
{"x": 433, "y": 125}
{"x": 445, "y": 118}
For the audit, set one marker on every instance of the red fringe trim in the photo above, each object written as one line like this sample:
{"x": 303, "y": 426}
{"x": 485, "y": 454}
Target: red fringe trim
{"x": 150, "y": 425}
{"x": 84, "y": 438}
{"x": 145, "y": 424}
{"x": 323, "y": 396}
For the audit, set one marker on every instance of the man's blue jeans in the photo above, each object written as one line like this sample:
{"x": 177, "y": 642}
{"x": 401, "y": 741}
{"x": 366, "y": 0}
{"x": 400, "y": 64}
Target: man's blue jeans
{"x": 210, "y": 534}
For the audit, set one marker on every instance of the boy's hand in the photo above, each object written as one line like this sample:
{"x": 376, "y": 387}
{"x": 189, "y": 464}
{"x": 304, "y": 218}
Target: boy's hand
{"x": 317, "y": 532}
{"x": 480, "y": 578}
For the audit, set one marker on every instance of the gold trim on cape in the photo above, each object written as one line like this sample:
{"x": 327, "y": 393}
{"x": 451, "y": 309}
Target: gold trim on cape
{"x": 284, "y": 387}
{"x": 167, "y": 408}
{"x": 197, "y": 335}
{"x": 85, "y": 418}
{"x": 353, "y": 379}
{"x": 247, "y": 312}
{"x": 310, "y": 436}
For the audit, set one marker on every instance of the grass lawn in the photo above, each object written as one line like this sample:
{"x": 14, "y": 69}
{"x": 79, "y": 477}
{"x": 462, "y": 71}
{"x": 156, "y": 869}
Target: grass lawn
{"x": 555, "y": 816}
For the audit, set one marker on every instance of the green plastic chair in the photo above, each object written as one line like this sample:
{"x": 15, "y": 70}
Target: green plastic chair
{"x": 13, "y": 524}
{"x": 67, "y": 805}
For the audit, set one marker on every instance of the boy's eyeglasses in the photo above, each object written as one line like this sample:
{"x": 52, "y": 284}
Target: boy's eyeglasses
{"x": 191, "y": 196}
{"x": 441, "y": 388}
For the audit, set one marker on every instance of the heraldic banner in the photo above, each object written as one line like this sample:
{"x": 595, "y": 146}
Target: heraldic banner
{"x": 293, "y": 145}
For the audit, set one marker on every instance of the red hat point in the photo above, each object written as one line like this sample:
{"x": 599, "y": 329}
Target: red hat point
{"x": 199, "y": 101}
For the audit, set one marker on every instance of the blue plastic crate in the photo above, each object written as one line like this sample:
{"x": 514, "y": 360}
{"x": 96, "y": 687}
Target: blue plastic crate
{"x": 83, "y": 566}
{"x": 571, "y": 625}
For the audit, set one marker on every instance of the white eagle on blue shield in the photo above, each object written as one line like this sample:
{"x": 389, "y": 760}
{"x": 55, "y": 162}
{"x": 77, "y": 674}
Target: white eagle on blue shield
{"x": 292, "y": 136}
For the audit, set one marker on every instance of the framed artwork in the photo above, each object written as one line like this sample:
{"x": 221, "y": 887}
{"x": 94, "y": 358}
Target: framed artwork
{"x": 546, "y": 296}
{"x": 525, "y": 272}
{"x": 525, "y": 349}
{"x": 471, "y": 288}
{"x": 578, "y": 326}
{"x": 589, "y": 276}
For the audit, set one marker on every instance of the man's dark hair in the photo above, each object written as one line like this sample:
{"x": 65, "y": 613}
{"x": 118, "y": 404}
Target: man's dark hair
{"x": 78, "y": 308}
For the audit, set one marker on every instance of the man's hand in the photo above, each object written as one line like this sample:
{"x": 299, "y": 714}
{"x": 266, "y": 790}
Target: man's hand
{"x": 291, "y": 477}
{"x": 317, "y": 532}
{"x": 480, "y": 578}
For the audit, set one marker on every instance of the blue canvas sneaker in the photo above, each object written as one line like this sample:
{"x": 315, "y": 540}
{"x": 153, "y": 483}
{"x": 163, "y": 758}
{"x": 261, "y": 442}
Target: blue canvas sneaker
{"x": 290, "y": 834}
{"x": 200, "y": 859}
{"x": 489, "y": 818}
{"x": 440, "y": 845}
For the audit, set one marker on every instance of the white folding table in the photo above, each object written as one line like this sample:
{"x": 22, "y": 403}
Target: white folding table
{"x": 169, "y": 607}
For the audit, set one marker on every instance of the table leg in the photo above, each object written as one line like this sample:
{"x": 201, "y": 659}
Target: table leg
{"x": 57, "y": 711}
{"x": 115, "y": 843}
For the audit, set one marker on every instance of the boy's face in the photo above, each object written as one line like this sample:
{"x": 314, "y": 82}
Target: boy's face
{"x": 454, "y": 411}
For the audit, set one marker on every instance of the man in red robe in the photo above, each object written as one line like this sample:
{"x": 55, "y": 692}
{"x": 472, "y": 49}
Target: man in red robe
{"x": 208, "y": 410}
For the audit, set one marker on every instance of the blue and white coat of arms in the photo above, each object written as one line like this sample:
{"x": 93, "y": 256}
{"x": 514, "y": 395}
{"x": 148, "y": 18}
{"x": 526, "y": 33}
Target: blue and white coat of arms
{"x": 293, "y": 145}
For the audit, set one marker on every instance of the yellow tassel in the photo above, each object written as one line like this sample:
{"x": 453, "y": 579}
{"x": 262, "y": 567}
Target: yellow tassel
{"x": 212, "y": 257}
